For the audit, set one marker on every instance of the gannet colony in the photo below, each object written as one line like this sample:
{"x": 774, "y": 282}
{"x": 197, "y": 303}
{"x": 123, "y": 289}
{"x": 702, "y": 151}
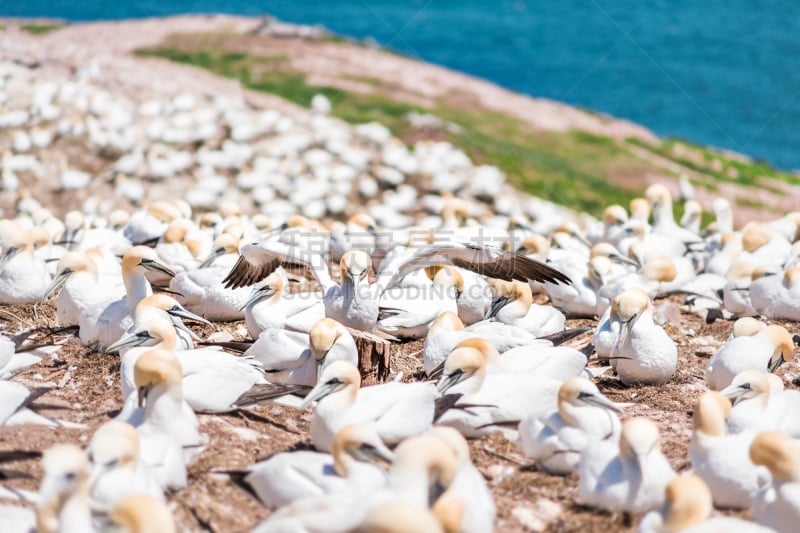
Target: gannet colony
{"x": 222, "y": 257}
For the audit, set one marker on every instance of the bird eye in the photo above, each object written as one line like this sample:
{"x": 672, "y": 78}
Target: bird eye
{"x": 334, "y": 381}
{"x": 70, "y": 476}
{"x": 746, "y": 386}
{"x": 112, "y": 463}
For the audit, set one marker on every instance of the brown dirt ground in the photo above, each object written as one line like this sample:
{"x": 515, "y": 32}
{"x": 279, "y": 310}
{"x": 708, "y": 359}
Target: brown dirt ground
{"x": 85, "y": 389}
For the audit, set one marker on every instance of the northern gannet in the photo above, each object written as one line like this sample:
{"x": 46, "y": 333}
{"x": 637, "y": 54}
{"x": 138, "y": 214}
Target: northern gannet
{"x": 688, "y": 509}
{"x": 722, "y": 460}
{"x": 328, "y": 342}
{"x": 514, "y": 306}
{"x": 64, "y": 494}
{"x": 116, "y": 470}
{"x": 82, "y": 286}
{"x": 762, "y": 404}
{"x": 24, "y": 278}
{"x": 643, "y": 352}
{"x": 448, "y": 330}
{"x": 766, "y": 350}
{"x": 630, "y": 476}
{"x": 168, "y": 432}
{"x": 505, "y": 397}
{"x": 776, "y": 297}
{"x": 395, "y": 410}
{"x": 353, "y": 464}
{"x": 272, "y": 305}
{"x": 777, "y": 505}
{"x": 555, "y": 440}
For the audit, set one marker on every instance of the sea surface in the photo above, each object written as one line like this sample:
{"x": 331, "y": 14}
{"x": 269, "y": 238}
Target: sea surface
{"x": 719, "y": 72}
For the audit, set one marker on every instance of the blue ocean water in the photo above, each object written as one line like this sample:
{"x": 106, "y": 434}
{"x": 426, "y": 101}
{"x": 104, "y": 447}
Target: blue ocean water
{"x": 718, "y": 72}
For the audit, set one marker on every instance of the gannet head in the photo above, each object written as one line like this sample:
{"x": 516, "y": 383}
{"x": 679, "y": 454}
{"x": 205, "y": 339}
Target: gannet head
{"x": 755, "y": 235}
{"x": 66, "y": 473}
{"x": 448, "y": 321}
{"x": 360, "y": 442}
{"x": 630, "y": 306}
{"x": 141, "y": 513}
{"x": 455, "y": 211}
{"x": 692, "y": 209}
{"x": 614, "y": 215}
{"x": 362, "y": 221}
{"x": 157, "y": 370}
{"x": 114, "y": 445}
{"x": 640, "y": 209}
{"x": 453, "y": 440}
{"x": 750, "y": 384}
{"x": 779, "y": 453}
{"x": 70, "y": 263}
{"x": 209, "y": 221}
{"x": 510, "y": 292}
{"x": 424, "y": 454}
{"x": 791, "y": 278}
{"x": 355, "y": 265}
{"x": 118, "y": 219}
{"x": 741, "y": 268}
{"x": 577, "y": 392}
{"x": 38, "y": 237}
{"x": 177, "y": 230}
{"x": 572, "y": 229}
{"x": 225, "y": 243}
{"x": 152, "y": 327}
{"x": 165, "y": 212}
{"x": 710, "y": 412}
{"x": 322, "y": 338}
{"x": 747, "y": 327}
{"x": 337, "y": 376}
{"x": 183, "y": 207}
{"x": 261, "y": 222}
{"x": 658, "y": 196}
{"x": 688, "y": 503}
{"x": 604, "y": 249}
{"x": 659, "y": 268}
{"x": 399, "y": 516}
{"x": 534, "y": 244}
{"x": 142, "y": 258}
{"x": 447, "y": 276}
{"x": 271, "y": 287}
{"x": 639, "y": 438}
{"x": 779, "y": 338}
{"x": 462, "y": 363}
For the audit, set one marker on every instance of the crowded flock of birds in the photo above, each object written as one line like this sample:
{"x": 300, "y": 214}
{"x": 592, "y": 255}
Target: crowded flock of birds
{"x": 459, "y": 267}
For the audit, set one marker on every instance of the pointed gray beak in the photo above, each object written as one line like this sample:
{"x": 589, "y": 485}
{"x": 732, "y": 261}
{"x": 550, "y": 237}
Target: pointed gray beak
{"x": 141, "y": 338}
{"x": 258, "y": 294}
{"x": 599, "y": 400}
{"x": 70, "y": 236}
{"x": 219, "y": 252}
{"x": 58, "y": 282}
{"x": 373, "y": 453}
{"x": 734, "y": 392}
{"x": 497, "y": 305}
{"x": 627, "y": 327}
{"x": 150, "y": 264}
{"x": 178, "y": 311}
{"x": 143, "y": 391}
{"x": 450, "y": 380}
{"x": 8, "y": 255}
{"x": 320, "y": 391}
{"x": 619, "y": 258}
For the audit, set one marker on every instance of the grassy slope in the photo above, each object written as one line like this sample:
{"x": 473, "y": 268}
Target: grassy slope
{"x": 576, "y": 169}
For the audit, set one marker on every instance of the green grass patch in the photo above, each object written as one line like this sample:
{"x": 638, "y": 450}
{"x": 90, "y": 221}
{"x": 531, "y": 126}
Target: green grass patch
{"x": 577, "y": 169}
{"x": 40, "y": 29}
{"x": 719, "y": 165}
